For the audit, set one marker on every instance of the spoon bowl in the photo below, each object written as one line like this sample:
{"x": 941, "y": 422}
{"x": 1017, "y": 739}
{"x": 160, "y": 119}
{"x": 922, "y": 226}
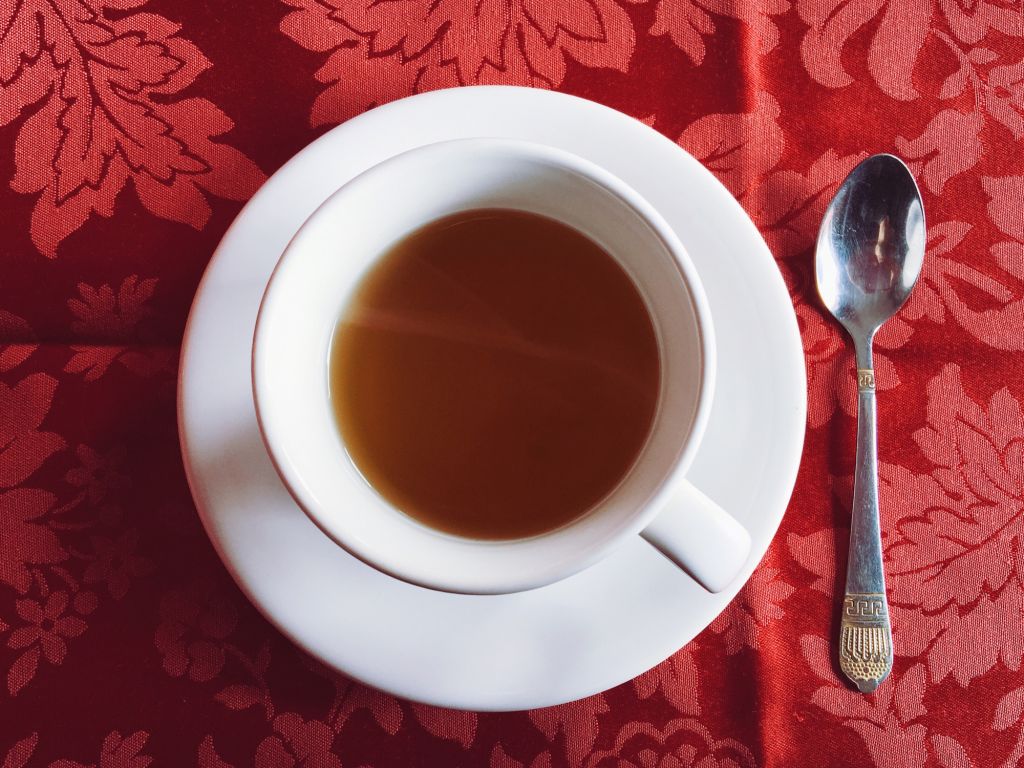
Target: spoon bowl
{"x": 871, "y": 245}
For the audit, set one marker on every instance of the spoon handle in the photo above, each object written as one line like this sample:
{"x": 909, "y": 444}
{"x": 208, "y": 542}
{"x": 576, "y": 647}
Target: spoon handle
{"x": 865, "y": 636}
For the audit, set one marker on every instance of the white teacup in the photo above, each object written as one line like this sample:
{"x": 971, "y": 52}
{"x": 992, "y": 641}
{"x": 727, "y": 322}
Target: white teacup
{"x": 313, "y": 283}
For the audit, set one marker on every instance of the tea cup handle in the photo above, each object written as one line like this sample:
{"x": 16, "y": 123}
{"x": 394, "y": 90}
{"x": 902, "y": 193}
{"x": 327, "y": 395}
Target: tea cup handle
{"x": 700, "y": 537}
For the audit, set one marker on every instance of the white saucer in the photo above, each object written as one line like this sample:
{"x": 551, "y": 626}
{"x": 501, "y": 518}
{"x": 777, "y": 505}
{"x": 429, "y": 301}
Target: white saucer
{"x": 533, "y": 649}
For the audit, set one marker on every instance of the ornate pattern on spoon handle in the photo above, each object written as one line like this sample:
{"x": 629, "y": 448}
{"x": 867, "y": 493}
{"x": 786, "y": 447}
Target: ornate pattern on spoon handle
{"x": 865, "y": 636}
{"x": 865, "y": 640}
{"x": 865, "y": 379}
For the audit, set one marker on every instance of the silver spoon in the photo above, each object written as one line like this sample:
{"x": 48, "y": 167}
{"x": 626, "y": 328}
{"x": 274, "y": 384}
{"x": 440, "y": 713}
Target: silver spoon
{"x": 869, "y": 254}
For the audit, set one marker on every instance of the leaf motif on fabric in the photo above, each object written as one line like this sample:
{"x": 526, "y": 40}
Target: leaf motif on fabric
{"x": 379, "y": 52}
{"x": 577, "y": 723}
{"x": 949, "y": 146}
{"x": 1009, "y": 710}
{"x": 1004, "y": 194}
{"x": 239, "y": 696}
{"x": 501, "y": 759}
{"x": 100, "y": 90}
{"x": 1004, "y": 96}
{"x": 385, "y": 709}
{"x": 207, "y": 757}
{"x": 744, "y": 149}
{"x": 108, "y": 320}
{"x": 788, "y": 205}
{"x": 971, "y": 20}
{"x": 689, "y": 22}
{"x": 759, "y": 603}
{"x": 738, "y": 148}
{"x": 816, "y": 552}
{"x": 20, "y": 753}
{"x": 985, "y": 297}
{"x": 23, "y": 446}
{"x": 681, "y": 742}
{"x": 296, "y": 741}
{"x": 191, "y": 637}
{"x": 902, "y": 27}
{"x": 958, "y": 526}
{"x": 103, "y": 314}
{"x": 27, "y": 539}
{"x": 677, "y": 678}
{"x": 892, "y": 722}
{"x": 455, "y": 724}
{"x": 23, "y": 670}
{"x": 19, "y": 341}
{"x": 117, "y": 751}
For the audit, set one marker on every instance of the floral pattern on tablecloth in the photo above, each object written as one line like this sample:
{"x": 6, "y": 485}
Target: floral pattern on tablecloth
{"x": 132, "y": 130}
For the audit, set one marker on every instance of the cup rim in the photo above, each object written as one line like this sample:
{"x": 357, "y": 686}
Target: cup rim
{"x": 291, "y": 476}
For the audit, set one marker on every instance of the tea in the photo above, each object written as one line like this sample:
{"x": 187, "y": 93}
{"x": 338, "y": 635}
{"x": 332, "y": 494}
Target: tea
{"x": 495, "y": 375}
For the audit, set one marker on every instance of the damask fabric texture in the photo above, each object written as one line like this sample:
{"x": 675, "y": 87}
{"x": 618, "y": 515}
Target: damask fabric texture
{"x": 132, "y": 131}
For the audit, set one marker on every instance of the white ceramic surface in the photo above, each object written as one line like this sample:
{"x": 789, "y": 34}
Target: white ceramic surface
{"x": 580, "y": 635}
{"x": 324, "y": 264}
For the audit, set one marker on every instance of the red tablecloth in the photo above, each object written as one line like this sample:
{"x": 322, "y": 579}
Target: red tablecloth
{"x": 133, "y": 130}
